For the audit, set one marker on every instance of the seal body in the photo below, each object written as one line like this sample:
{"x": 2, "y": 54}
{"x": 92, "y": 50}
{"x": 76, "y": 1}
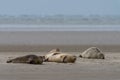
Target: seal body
{"x": 92, "y": 53}
{"x": 29, "y": 59}
{"x": 61, "y": 58}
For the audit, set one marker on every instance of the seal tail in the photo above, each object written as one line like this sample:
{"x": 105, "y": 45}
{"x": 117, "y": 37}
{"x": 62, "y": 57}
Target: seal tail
{"x": 9, "y": 61}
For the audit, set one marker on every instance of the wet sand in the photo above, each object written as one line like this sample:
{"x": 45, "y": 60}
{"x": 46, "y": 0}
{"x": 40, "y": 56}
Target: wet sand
{"x": 83, "y": 69}
{"x": 31, "y": 38}
{"x": 41, "y": 41}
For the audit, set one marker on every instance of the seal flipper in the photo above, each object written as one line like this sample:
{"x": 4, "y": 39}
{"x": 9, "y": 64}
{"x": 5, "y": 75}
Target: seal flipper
{"x": 64, "y": 59}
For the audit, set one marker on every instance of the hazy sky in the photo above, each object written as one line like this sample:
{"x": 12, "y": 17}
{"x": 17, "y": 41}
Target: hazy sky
{"x": 52, "y": 7}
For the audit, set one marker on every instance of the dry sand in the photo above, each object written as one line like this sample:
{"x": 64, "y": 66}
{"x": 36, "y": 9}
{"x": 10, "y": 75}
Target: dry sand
{"x": 83, "y": 69}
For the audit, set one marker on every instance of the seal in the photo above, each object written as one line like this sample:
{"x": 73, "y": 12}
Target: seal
{"x": 29, "y": 59}
{"x": 61, "y": 58}
{"x": 92, "y": 53}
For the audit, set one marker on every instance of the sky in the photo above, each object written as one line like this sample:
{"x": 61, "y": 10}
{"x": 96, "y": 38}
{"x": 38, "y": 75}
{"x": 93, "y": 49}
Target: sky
{"x": 55, "y": 7}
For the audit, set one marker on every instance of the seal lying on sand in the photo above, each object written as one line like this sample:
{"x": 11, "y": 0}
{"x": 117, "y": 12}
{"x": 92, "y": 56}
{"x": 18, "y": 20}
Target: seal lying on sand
{"x": 92, "y": 53}
{"x": 60, "y": 57}
{"x": 29, "y": 59}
